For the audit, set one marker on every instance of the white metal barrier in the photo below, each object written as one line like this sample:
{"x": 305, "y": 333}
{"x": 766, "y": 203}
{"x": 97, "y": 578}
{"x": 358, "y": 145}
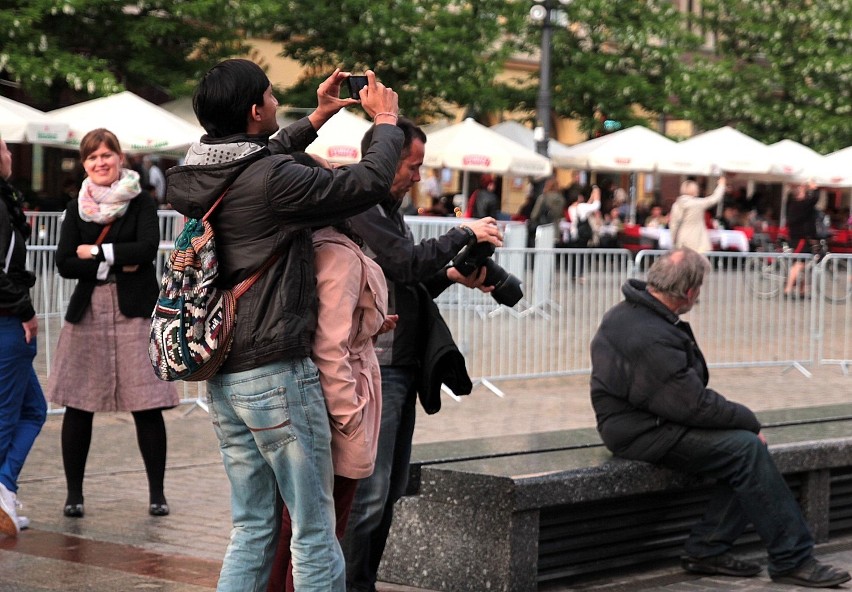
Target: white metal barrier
{"x": 743, "y": 318}
{"x": 538, "y": 337}
{"x": 835, "y": 311}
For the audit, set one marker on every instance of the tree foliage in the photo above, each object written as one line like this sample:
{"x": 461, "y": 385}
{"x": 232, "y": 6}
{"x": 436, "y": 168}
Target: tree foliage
{"x": 435, "y": 53}
{"x": 99, "y": 47}
{"x": 611, "y": 57}
{"x": 780, "y": 69}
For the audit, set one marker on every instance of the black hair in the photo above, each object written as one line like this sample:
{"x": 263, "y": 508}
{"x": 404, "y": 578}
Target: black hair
{"x": 409, "y": 130}
{"x": 223, "y": 99}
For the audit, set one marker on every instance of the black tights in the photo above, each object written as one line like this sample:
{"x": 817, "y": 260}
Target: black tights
{"x": 77, "y": 436}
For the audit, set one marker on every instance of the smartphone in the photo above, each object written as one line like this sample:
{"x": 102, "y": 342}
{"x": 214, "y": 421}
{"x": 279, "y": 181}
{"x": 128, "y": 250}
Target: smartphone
{"x": 356, "y": 83}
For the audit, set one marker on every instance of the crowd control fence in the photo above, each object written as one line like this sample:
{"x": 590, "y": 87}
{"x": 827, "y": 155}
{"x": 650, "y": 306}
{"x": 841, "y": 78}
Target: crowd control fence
{"x": 742, "y": 319}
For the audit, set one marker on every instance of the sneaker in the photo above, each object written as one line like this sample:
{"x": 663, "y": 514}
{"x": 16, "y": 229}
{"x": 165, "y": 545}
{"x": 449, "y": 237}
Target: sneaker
{"x": 813, "y": 574}
{"x": 23, "y": 522}
{"x": 8, "y": 512}
{"x": 724, "y": 564}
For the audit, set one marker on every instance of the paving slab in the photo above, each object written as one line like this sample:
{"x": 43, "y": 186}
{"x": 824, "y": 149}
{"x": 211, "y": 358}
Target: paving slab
{"x": 117, "y": 546}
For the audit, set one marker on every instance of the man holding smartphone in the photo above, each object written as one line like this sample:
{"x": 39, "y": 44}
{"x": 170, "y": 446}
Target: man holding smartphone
{"x": 266, "y": 403}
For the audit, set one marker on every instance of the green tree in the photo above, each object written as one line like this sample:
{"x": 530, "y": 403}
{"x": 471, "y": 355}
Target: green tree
{"x": 618, "y": 59}
{"x": 780, "y": 69}
{"x": 98, "y": 47}
{"x": 435, "y": 53}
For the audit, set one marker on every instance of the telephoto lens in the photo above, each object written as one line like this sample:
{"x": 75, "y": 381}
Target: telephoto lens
{"x": 507, "y": 287}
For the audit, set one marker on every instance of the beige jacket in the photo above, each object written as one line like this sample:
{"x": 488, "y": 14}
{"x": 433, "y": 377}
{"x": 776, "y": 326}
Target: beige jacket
{"x": 352, "y": 297}
{"x": 686, "y": 220}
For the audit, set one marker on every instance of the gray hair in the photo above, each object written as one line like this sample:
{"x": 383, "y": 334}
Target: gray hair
{"x": 677, "y": 272}
{"x": 689, "y": 187}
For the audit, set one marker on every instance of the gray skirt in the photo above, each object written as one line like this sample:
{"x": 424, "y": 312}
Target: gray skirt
{"x": 102, "y": 363}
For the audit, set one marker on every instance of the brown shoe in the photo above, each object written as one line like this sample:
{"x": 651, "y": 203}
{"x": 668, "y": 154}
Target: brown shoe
{"x": 813, "y": 574}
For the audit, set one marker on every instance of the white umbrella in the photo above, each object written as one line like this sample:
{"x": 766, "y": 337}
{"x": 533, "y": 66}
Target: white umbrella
{"x": 791, "y": 159}
{"x": 470, "y": 146}
{"x": 339, "y": 139}
{"x": 835, "y": 170}
{"x": 725, "y": 149}
{"x": 632, "y": 149}
{"x": 140, "y": 126}
{"x": 524, "y": 136}
{"x": 21, "y": 123}
{"x": 182, "y": 107}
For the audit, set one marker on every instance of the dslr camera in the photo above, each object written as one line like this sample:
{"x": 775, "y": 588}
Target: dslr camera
{"x": 507, "y": 287}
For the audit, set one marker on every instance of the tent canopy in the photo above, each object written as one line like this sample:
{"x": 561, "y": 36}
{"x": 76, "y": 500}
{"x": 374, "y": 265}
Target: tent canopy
{"x": 470, "y": 146}
{"x": 791, "y": 159}
{"x": 632, "y": 149}
{"x": 140, "y": 126}
{"x": 524, "y": 136}
{"x": 725, "y": 149}
{"x": 835, "y": 170}
{"x": 21, "y": 123}
{"x": 339, "y": 139}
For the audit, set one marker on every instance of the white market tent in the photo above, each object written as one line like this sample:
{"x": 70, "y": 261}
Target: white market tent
{"x": 791, "y": 159}
{"x": 339, "y": 139}
{"x": 182, "y": 107}
{"x": 724, "y": 149}
{"x": 21, "y": 123}
{"x": 470, "y": 146}
{"x": 629, "y": 150}
{"x": 140, "y": 126}
{"x": 835, "y": 170}
{"x": 633, "y": 149}
{"x": 524, "y": 136}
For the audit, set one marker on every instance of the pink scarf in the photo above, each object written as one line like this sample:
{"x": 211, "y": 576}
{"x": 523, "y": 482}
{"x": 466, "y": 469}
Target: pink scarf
{"x": 101, "y": 204}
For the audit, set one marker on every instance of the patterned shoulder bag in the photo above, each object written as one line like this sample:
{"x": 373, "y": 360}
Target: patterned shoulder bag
{"x": 192, "y": 325}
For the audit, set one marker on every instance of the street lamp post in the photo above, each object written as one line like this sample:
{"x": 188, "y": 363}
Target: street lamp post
{"x": 546, "y": 12}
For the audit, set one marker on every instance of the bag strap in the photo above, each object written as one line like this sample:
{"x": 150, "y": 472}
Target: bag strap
{"x": 103, "y": 234}
{"x": 247, "y": 283}
{"x": 214, "y": 206}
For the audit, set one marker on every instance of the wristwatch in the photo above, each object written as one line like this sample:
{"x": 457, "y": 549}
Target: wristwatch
{"x": 95, "y": 251}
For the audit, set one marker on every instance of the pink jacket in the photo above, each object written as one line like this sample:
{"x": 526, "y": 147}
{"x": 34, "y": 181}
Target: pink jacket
{"x": 352, "y": 305}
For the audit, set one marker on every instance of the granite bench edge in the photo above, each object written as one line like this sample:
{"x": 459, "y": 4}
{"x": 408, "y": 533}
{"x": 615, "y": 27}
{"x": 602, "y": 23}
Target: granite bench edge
{"x": 615, "y": 477}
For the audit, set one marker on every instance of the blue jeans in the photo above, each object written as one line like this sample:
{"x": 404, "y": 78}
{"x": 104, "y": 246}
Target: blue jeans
{"x": 372, "y": 509}
{"x": 23, "y": 409}
{"x": 749, "y": 489}
{"x": 273, "y": 429}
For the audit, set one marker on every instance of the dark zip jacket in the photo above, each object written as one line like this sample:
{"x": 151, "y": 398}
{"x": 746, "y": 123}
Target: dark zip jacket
{"x": 16, "y": 283}
{"x": 134, "y": 238}
{"x": 270, "y": 207}
{"x": 649, "y": 380}
{"x": 388, "y": 240}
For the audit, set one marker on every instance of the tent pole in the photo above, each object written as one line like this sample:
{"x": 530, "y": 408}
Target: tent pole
{"x": 465, "y": 190}
{"x": 633, "y": 197}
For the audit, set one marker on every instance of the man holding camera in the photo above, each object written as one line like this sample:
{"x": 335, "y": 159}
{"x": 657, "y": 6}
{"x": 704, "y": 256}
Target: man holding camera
{"x": 389, "y": 241}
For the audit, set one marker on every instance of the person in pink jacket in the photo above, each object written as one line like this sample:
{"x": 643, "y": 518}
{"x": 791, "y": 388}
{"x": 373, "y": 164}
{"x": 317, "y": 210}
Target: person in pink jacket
{"x": 352, "y": 297}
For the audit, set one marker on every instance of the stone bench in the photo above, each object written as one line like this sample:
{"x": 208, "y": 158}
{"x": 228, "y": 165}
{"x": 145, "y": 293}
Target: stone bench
{"x": 509, "y": 513}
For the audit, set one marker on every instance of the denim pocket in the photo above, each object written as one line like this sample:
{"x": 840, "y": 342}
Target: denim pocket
{"x": 267, "y": 416}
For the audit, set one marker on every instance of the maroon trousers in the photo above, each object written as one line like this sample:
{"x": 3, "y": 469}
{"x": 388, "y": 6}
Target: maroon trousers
{"x": 281, "y": 576}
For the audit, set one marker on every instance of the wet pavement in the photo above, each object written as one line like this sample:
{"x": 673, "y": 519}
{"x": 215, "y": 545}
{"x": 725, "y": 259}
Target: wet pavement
{"x": 117, "y": 546}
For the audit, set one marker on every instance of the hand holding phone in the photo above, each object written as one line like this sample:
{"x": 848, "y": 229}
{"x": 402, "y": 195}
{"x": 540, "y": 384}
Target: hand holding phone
{"x": 356, "y": 83}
